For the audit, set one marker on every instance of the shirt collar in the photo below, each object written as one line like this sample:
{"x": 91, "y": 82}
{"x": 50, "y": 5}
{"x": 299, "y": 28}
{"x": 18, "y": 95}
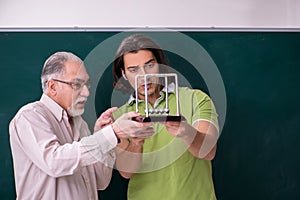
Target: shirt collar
{"x": 54, "y": 108}
{"x": 171, "y": 89}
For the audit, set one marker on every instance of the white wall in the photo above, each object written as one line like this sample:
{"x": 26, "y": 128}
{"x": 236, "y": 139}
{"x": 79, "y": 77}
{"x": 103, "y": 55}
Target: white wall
{"x": 155, "y": 13}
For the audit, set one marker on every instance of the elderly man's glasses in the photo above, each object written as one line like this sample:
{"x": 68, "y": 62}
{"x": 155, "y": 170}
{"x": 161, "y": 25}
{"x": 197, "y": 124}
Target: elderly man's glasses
{"x": 75, "y": 85}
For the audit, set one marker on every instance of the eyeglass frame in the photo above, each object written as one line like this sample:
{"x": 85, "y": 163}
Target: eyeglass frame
{"x": 75, "y": 85}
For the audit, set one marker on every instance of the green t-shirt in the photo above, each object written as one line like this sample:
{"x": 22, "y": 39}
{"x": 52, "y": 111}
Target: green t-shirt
{"x": 169, "y": 170}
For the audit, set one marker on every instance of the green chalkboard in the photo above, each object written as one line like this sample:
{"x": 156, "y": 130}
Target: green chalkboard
{"x": 258, "y": 153}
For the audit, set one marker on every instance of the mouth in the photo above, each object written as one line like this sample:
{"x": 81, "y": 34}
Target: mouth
{"x": 80, "y": 103}
{"x": 149, "y": 85}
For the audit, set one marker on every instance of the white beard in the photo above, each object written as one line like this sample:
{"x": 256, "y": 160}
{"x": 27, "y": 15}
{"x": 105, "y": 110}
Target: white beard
{"x": 72, "y": 111}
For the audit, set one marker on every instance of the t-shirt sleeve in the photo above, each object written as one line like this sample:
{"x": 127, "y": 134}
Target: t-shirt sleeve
{"x": 204, "y": 109}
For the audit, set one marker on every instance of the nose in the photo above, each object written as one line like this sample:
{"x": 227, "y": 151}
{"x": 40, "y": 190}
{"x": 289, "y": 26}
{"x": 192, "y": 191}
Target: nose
{"x": 142, "y": 71}
{"x": 85, "y": 92}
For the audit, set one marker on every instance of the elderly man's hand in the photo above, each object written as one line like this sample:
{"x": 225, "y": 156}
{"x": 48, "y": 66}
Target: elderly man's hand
{"x": 105, "y": 119}
{"x": 125, "y": 127}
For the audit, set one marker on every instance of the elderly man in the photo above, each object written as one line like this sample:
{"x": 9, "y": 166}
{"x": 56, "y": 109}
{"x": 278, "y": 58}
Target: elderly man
{"x": 54, "y": 154}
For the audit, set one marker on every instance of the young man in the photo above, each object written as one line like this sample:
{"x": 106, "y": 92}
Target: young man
{"x": 54, "y": 154}
{"x": 176, "y": 161}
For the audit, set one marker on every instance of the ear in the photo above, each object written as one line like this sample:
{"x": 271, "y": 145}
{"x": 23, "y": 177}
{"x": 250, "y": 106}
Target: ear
{"x": 124, "y": 75}
{"x": 52, "y": 87}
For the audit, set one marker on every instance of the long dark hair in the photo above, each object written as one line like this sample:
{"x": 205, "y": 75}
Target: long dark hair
{"x": 133, "y": 44}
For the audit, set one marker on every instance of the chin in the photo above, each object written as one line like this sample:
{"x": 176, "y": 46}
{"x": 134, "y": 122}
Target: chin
{"x": 75, "y": 112}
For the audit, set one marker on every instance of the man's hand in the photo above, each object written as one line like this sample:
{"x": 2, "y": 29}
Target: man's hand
{"x": 105, "y": 119}
{"x": 175, "y": 128}
{"x": 125, "y": 127}
{"x": 179, "y": 128}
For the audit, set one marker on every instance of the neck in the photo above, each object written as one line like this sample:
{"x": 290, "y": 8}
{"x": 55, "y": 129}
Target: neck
{"x": 151, "y": 98}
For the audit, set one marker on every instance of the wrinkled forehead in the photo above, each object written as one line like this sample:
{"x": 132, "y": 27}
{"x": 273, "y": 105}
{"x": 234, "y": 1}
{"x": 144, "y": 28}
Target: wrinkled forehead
{"x": 76, "y": 70}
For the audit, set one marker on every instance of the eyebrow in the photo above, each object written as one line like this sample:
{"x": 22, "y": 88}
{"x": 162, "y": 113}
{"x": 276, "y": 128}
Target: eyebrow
{"x": 80, "y": 80}
{"x": 149, "y": 61}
